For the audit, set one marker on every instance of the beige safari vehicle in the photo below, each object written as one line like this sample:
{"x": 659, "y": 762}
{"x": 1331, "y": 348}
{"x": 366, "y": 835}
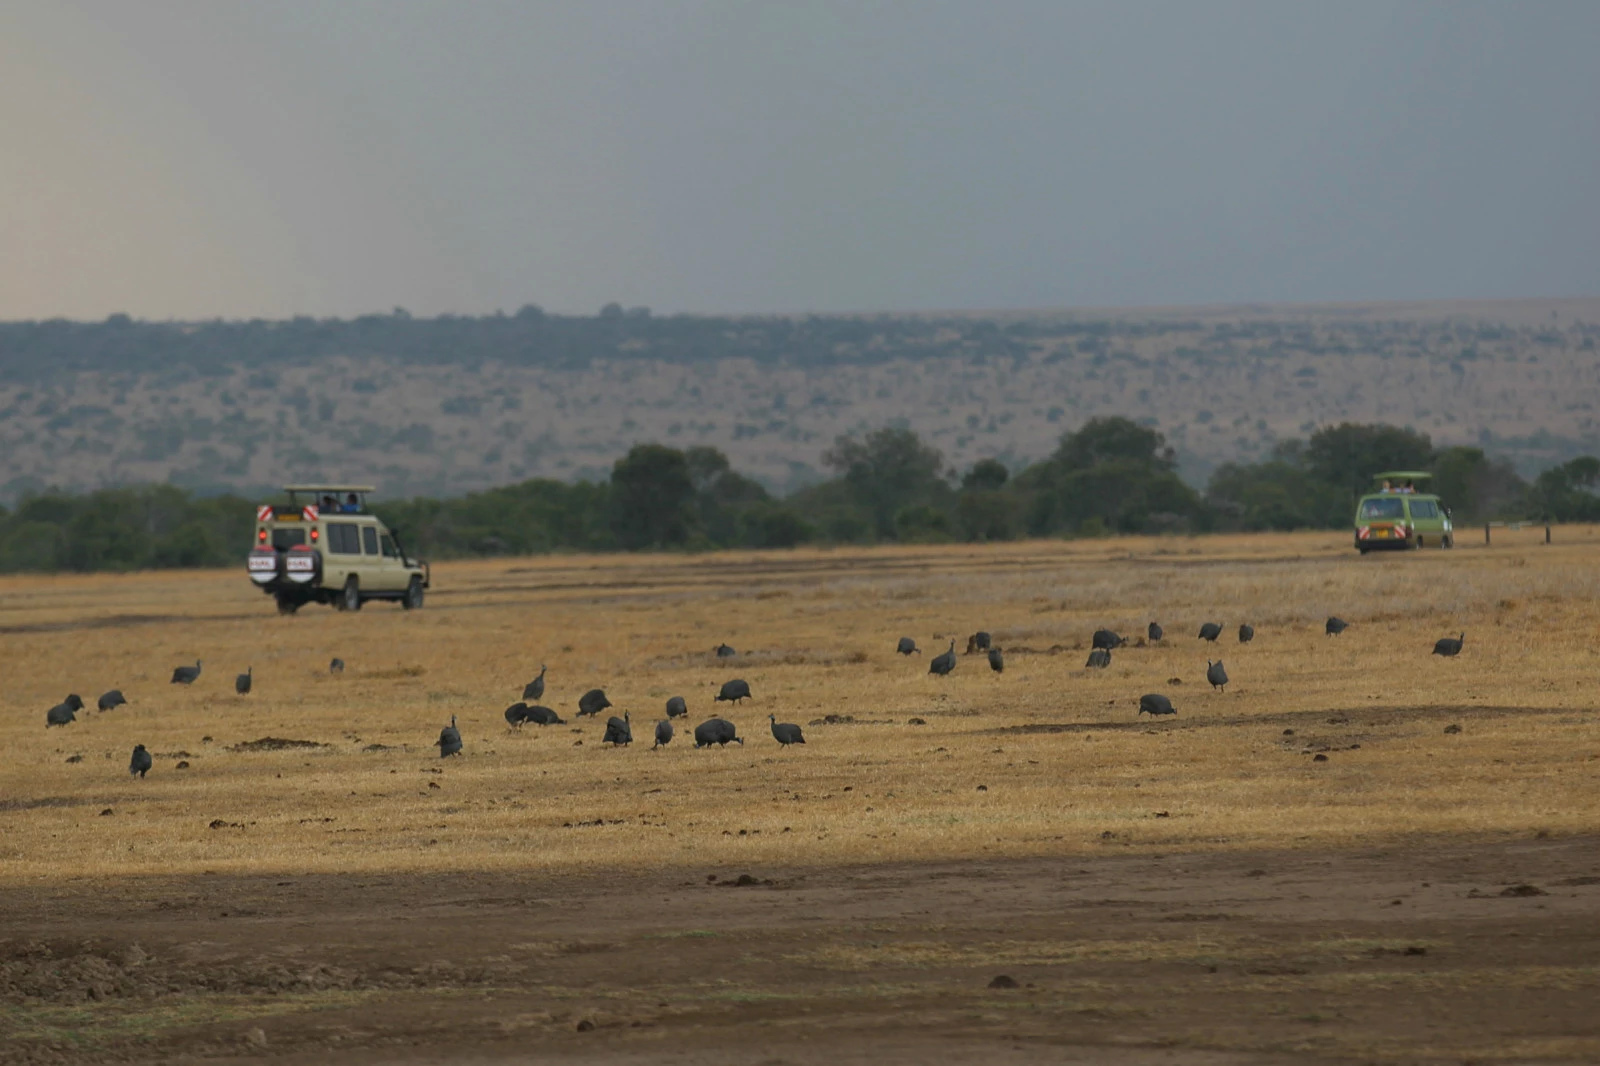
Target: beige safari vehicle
{"x": 323, "y": 546}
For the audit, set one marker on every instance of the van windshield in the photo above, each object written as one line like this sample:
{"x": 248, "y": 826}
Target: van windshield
{"x": 1379, "y": 507}
{"x": 288, "y": 537}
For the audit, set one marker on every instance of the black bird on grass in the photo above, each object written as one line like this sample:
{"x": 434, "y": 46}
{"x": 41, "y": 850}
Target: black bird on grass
{"x": 725, "y": 652}
{"x": 1155, "y": 703}
{"x": 336, "y": 666}
{"x": 1107, "y": 639}
{"x": 544, "y": 716}
{"x": 619, "y": 731}
{"x": 141, "y": 762}
{"x": 592, "y": 702}
{"x": 1449, "y": 646}
{"x": 907, "y": 646}
{"x": 676, "y": 708}
{"x": 718, "y": 731}
{"x": 1335, "y": 626}
{"x": 784, "y": 733}
{"x": 1154, "y": 632}
{"x": 979, "y": 641}
{"x": 516, "y": 714}
{"x": 1210, "y": 631}
{"x": 663, "y": 734}
{"x": 112, "y": 700}
{"x": 449, "y": 741}
{"x": 1217, "y": 675}
{"x": 186, "y": 675}
{"x": 1247, "y": 633}
{"x": 997, "y": 661}
{"x": 535, "y": 688}
{"x": 733, "y": 691}
{"x": 63, "y": 712}
{"x": 1099, "y": 659}
{"x": 944, "y": 662}
{"x": 241, "y": 684}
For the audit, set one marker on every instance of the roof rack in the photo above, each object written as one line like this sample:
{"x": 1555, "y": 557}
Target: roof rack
{"x": 1402, "y": 475}
{"x": 329, "y": 488}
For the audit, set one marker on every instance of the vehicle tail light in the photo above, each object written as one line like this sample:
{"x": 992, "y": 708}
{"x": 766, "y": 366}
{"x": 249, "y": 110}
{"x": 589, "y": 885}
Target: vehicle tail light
{"x": 313, "y": 533}
{"x": 261, "y": 536}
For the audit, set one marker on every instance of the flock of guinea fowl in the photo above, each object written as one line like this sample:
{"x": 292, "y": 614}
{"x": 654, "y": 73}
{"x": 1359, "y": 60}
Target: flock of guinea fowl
{"x": 720, "y": 731}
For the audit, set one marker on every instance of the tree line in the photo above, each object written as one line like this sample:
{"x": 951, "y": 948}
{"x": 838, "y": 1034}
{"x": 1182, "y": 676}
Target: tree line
{"x": 1112, "y": 475}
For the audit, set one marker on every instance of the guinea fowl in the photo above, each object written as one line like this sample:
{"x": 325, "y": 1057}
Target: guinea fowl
{"x": 979, "y": 641}
{"x": 1154, "y": 632}
{"x": 1105, "y": 638}
{"x": 676, "y": 708}
{"x": 241, "y": 684}
{"x": 733, "y": 691}
{"x": 1247, "y": 633}
{"x": 784, "y": 733}
{"x": 1217, "y": 675}
{"x": 1210, "y": 631}
{"x": 1449, "y": 646}
{"x": 141, "y": 762}
{"x": 997, "y": 661}
{"x": 725, "y": 652}
{"x": 112, "y": 700}
{"x": 63, "y": 712}
{"x": 592, "y": 702}
{"x": 1099, "y": 659}
{"x": 1335, "y": 626}
{"x": 663, "y": 734}
{"x": 336, "y": 666}
{"x": 944, "y": 662}
{"x": 535, "y": 688}
{"x": 619, "y": 731}
{"x": 1155, "y": 703}
{"x": 186, "y": 675}
{"x": 907, "y": 646}
{"x": 544, "y": 716}
{"x": 718, "y": 731}
{"x": 516, "y": 714}
{"x": 449, "y": 741}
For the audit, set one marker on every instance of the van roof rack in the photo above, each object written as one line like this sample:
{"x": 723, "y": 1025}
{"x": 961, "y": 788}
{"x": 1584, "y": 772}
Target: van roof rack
{"x": 1402, "y": 475}
{"x": 329, "y": 488}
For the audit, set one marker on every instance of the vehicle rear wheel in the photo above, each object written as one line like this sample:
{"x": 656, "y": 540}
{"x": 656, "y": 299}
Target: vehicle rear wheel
{"x": 413, "y": 598}
{"x": 287, "y": 605}
{"x": 1448, "y": 542}
{"x": 350, "y": 598}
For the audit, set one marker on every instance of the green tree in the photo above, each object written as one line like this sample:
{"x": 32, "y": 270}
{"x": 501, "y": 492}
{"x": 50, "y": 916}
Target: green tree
{"x": 1349, "y": 454}
{"x": 888, "y": 470}
{"x": 651, "y": 497}
{"x": 1565, "y": 493}
{"x": 1476, "y": 487}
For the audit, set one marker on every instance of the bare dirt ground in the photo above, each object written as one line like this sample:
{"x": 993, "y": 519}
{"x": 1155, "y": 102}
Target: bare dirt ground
{"x": 1358, "y": 852}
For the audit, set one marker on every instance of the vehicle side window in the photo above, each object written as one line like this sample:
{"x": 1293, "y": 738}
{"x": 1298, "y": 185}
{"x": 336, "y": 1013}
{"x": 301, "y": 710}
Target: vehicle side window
{"x": 369, "y": 540}
{"x": 343, "y": 538}
{"x": 1423, "y": 509}
{"x": 388, "y": 547}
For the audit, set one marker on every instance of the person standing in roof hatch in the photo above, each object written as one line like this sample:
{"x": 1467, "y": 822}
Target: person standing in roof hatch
{"x": 351, "y": 504}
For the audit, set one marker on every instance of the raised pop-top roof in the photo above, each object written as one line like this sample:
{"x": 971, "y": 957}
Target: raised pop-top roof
{"x": 329, "y": 488}
{"x": 1402, "y": 475}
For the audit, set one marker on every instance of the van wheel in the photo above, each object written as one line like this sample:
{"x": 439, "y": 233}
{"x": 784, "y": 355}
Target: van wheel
{"x": 413, "y": 598}
{"x": 1448, "y": 542}
{"x": 287, "y": 606}
{"x": 350, "y": 598}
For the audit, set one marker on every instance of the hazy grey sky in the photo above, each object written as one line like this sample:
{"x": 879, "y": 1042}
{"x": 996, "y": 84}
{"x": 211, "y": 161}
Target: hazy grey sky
{"x": 206, "y": 158}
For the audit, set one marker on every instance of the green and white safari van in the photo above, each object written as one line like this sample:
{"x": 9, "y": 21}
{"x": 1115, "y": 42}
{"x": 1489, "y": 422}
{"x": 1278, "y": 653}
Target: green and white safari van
{"x": 1398, "y": 515}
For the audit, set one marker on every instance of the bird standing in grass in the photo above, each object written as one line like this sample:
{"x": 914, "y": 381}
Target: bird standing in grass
{"x": 543, "y": 716}
{"x": 535, "y": 688}
{"x": 449, "y": 739}
{"x": 907, "y": 646}
{"x": 733, "y": 691}
{"x": 186, "y": 675}
{"x": 944, "y": 662}
{"x": 1335, "y": 626}
{"x": 112, "y": 700}
{"x": 718, "y": 731}
{"x": 141, "y": 762}
{"x": 1099, "y": 659}
{"x": 1247, "y": 633}
{"x": 1217, "y": 675}
{"x": 676, "y": 708}
{"x": 593, "y": 702}
{"x": 516, "y": 714}
{"x": 241, "y": 684}
{"x": 997, "y": 661}
{"x": 784, "y": 733}
{"x": 1155, "y": 703}
{"x": 1154, "y": 632}
{"x": 63, "y": 712}
{"x": 1449, "y": 646}
{"x": 663, "y": 734}
{"x": 336, "y": 666}
{"x": 725, "y": 652}
{"x": 1210, "y": 631}
{"x": 619, "y": 731}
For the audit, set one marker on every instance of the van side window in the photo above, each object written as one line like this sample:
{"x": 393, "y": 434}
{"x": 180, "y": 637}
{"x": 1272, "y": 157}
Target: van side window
{"x": 1423, "y": 509}
{"x": 369, "y": 540}
{"x": 388, "y": 547}
{"x": 343, "y": 539}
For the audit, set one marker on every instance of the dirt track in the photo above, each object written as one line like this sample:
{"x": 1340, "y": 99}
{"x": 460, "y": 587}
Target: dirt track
{"x": 1420, "y": 953}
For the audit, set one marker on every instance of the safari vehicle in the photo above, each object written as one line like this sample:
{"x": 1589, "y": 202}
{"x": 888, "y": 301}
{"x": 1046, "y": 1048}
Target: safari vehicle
{"x": 323, "y": 546}
{"x": 1399, "y": 516}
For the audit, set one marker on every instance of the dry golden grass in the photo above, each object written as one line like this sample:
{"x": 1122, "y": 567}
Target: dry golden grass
{"x": 1062, "y": 757}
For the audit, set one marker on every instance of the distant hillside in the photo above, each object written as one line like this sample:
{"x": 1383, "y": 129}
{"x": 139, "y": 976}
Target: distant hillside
{"x": 448, "y": 405}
